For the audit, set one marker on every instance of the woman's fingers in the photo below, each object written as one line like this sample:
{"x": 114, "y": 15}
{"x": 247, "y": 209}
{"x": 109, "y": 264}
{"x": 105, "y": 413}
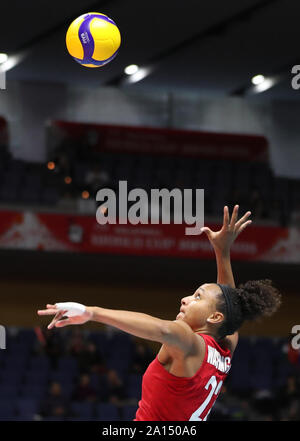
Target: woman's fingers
{"x": 58, "y": 316}
{"x": 51, "y": 309}
{"x": 234, "y": 216}
{"x": 226, "y": 217}
{"x": 242, "y": 220}
{"x": 47, "y": 311}
{"x": 65, "y": 322}
{"x": 243, "y": 226}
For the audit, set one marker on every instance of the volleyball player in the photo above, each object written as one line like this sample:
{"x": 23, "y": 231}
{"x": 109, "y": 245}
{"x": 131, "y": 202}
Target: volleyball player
{"x": 185, "y": 378}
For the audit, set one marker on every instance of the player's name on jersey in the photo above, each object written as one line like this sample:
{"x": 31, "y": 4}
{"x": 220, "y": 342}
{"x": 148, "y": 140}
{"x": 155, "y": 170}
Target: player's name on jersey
{"x": 216, "y": 359}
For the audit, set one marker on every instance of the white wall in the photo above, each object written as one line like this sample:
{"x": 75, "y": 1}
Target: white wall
{"x": 28, "y": 106}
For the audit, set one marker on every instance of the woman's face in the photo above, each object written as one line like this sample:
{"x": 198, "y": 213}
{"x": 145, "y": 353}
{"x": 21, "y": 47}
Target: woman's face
{"x": 202, "y": 305}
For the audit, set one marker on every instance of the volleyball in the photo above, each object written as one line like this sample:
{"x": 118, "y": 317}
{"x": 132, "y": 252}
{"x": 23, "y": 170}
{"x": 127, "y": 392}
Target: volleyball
{"x": 93, "y": 39}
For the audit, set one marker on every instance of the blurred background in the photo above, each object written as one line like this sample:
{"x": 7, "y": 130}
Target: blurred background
{"x": 211, "y": 105}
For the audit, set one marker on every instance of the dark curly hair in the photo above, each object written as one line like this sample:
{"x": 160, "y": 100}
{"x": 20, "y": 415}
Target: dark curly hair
{"x": 250, "y": 301}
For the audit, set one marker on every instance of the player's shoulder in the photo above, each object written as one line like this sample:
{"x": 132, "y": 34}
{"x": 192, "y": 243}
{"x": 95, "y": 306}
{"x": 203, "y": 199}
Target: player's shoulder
{"x": 189, "y": 342}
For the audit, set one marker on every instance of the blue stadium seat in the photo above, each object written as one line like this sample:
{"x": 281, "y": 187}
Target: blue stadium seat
{"x": 262, "y": 380}
{"x": 63, "y": 377}
{"x": 95, "y": 381}
{"x": 103, "y": 343}
{"x": 78, "y": 418}
{"x": 67, "y": 364}
{"x": 107, "y": 412}
{"x": 239, "y": 377}
{"x": 17, "y": 361}
{"x": 27, "y": 407}
{"x": 11, "y": 376}
{"x": 128, "y": 413}
{"x": 30, "y": 390}
{"x": 26, "y": 335}
{"x": 263, "y": 364}
{"x": 282, "y": 370}
{"x": 134, "y": 386}
{"x": 18, "y": 348}
{"x": 40, "y": 362}
{"x": 53, "y": 418}
{"x": 9, "y": 390}
{"x": 83, "y": 409}
{"x": 7, "y": 409}
{"x": 40, "y": 377}
{"x": 119, "y": 351}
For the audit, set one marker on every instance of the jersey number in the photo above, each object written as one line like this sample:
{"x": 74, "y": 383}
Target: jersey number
{"x": 215, "y": 389}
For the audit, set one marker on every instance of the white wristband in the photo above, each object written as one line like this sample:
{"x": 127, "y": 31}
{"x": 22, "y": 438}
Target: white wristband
{"x": 72, "y": 308}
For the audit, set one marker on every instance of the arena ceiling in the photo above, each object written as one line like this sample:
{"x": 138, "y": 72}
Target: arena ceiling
{"x": 213, "y": 48}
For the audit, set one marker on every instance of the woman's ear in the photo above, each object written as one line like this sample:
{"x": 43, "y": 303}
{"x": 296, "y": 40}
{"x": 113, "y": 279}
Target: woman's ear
{"x": 215, "y": 318}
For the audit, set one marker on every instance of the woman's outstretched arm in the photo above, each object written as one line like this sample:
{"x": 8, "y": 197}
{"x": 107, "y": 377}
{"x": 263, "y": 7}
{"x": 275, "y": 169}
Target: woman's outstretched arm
{"x": 174, "y": 333}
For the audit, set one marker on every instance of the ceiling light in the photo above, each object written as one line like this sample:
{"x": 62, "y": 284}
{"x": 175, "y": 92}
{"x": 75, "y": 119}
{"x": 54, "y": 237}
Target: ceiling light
{"x": 258, "y": 79}
{"x": 3, "y": 58}
{"x": 265, "y": 85}
{"x": 139, "y": 75}
{"x": 10, "y": 62}
{"x": 131, "y": 70}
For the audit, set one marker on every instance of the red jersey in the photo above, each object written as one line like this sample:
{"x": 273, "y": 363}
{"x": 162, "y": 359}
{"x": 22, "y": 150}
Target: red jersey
{"x": 166, "y": 397}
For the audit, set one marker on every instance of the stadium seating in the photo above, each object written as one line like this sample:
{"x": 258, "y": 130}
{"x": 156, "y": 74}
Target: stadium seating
{"x": 83, "y": 409}
{"x": 27, "y": 408}
{"x": 134, "y": 386}
{"x": 33, "y": 184}
{"x": 128, "y": 413}
{"x": 7, "y": 408}
{"x": 107, "y": 412}
{"x": 259, "y": 365}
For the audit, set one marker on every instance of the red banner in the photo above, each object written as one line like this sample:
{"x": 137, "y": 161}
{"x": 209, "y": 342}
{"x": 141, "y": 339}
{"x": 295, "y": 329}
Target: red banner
{"x": 160, "y": 141}
{"x": 68, "y": 233}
